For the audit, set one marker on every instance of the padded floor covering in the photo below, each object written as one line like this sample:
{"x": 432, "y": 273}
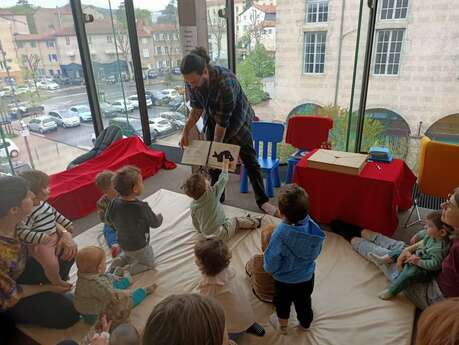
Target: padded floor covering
{"x": 346, "y": 308}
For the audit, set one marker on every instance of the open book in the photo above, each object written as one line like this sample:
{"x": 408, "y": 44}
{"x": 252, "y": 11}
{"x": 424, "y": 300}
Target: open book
{"x": 210, "y": 154}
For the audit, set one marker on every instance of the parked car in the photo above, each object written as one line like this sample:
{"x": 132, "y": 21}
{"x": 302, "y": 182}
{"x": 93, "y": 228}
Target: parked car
{"x": 135, "y": 101}
{"x": 177, "y": 119}
{"x": 16, "y": 109}
{"x": 47, "y": 85}
{"x": 152, "y": 74}
{"x": 171, "y": 93}
{"x": 65, "y": 119}
{"x": 42, "y": 124}
{"x": 176, "y": 71}
{"x": 131, "y": 127}
{"x": 121, "y": 106}
{"x": 158, "y": 98}
{"x": 175, "y": 103}
{"x": 5, "y": 91}
{"x": 13, "y": 150}
{"x": 108, "y": 110}
{"x": 83, "y": 112}
{"x": 161, "y": 126}
{"x": 21, "y": 89}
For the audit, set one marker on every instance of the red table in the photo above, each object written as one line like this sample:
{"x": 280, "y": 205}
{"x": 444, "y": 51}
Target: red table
{"x": 371, "y": 200}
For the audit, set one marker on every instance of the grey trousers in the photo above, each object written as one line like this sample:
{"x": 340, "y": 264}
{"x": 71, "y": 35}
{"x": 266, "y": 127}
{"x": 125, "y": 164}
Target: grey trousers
{"x": 139, "y": 260}
{"x": 420, "y": 294}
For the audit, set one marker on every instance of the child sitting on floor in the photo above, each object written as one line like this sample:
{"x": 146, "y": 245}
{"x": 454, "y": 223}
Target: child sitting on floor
{"x": 41, "y": 229}
{"x": 132, "y": 220}
{"x": 220, "y": 282}
{"x": 95, "y": 290}
{"x": 104, "y": 181}
{"x": 207, "y": 212}
{"x": 262, "y": 281}
{"x": 290, "y": 258}
{"x": 421, "y": 259}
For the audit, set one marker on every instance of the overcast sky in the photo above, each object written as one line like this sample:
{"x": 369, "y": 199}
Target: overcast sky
{"x": 152, "y": 5}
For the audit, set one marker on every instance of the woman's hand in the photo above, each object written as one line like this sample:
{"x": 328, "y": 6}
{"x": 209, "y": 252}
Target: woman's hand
{"x": 414, "y": 260}
{"x": 404, "y": 255}
{"x": 66, "y": 248}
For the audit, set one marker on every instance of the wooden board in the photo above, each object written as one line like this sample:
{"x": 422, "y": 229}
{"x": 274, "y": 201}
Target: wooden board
{"x": 338, "y": 161}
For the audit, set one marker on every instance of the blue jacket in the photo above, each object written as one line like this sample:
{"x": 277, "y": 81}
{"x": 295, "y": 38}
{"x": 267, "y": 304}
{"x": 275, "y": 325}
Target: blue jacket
{"x": 292, "y": 251}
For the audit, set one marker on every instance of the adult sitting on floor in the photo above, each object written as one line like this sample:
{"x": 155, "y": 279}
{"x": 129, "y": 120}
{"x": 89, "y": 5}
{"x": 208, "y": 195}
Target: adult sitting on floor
{"x": 25, "y": 294}
{"x": 442, "y": 286}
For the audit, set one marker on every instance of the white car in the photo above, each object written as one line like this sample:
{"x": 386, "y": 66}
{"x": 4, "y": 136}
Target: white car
{"x": 19, "y": 90}
{"x": 65, "y": 119}
{"x": 121, "y": 106}
{"x": 161, "y": 126}
{"x": 48, "y": 86}
{"x": 171, "y": 93}
{"x": 42, "y": 124}
{"x": 135, "y": 101}
{"x": 13, "y": 150}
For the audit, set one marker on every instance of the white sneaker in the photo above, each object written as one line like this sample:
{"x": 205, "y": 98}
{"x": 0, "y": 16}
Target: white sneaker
{"x": 385, "y": 295}
{"x": 270, "y": 209}
{"x": 274, "y": 321}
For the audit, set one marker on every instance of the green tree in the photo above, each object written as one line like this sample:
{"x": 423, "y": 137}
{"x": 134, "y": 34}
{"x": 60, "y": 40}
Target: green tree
{"x": 250, "y": 83}
{"x": 169, "y": 14}
{"x": 262, "y": 62}
{"x": 25, "y": 9}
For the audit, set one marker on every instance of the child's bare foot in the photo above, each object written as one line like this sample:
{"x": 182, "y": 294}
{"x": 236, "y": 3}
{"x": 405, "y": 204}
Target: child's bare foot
{"x": 151, "y": 288}
{"x": 381, "y": 260}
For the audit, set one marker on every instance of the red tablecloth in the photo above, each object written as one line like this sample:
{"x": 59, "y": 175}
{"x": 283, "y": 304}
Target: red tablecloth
{"x": 371, "y": 200}
{"x": 73, "y": 192}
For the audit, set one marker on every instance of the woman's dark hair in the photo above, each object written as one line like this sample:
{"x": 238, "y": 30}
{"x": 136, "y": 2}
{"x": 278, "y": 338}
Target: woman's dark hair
{"x": 195, "y": 61}
{"x": 187, "y": 319}
{"x": 213, "y": 254}
{"x": 13, "y": 190}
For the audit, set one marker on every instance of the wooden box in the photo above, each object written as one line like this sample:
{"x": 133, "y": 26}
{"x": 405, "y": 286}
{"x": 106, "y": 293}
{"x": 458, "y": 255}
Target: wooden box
{"x": 337, "y": 161}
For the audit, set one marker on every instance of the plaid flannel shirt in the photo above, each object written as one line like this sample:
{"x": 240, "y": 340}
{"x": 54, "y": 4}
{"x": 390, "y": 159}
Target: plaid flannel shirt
{"x": 225, "y": 104}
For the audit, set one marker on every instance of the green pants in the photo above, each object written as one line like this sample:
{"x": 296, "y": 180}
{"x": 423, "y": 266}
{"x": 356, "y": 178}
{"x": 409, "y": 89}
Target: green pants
{"x": 410, "y": 275}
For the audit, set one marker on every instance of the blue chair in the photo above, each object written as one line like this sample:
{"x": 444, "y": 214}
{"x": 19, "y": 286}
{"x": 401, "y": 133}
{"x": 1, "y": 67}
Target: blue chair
{"x": 269, "y": 134}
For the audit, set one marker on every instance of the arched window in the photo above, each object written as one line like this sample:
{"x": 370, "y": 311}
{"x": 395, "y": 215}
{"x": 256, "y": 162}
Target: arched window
{"x": 446, "y": 130}
{"x": 305, "y": 109}
{"x": 395, "y": 131}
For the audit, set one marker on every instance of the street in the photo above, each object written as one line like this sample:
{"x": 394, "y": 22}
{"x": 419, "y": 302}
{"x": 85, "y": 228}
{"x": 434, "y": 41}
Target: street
{"x": 81, "y": 136}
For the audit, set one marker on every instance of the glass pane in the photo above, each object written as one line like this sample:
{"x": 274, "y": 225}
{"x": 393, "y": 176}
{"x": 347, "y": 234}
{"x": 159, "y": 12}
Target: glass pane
{"x": 45, "y": 74}
{"x": 217, "y": 30}
{"x": 160, "y": 54}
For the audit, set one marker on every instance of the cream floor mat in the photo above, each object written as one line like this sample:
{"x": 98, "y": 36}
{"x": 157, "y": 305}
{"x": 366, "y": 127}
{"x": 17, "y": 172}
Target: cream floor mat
{"x": 346, "y": 308}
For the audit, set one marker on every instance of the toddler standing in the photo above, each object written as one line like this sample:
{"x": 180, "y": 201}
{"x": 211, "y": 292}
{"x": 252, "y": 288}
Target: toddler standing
{"x": 104, "y": 181}
{"x": 290, "y": 258}
{"x": 219, "y": 281}
{"x": 421, "y": 259}
{"x": 262, "y": 281}
{"x": 95, "y": 290}
{"x": 132, "y": 220}
{"x": 41, "y": 229}
{"x": 207, "y": 212}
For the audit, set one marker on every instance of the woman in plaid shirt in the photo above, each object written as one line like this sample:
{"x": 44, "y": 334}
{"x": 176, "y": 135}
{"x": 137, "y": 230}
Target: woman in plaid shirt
{"x": 216, "y": 94}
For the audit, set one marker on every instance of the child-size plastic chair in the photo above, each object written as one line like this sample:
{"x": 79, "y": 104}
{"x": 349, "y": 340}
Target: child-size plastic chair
{"x": 268, "y": 134}
{"x": 305, "y": 133}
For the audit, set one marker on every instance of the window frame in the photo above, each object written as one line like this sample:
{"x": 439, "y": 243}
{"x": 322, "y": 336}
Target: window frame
{"x": 387, "y": 53}
{"x": 398, "y": 5}
{"x": 315, "y": 63}
{"x": 317, "y": 4}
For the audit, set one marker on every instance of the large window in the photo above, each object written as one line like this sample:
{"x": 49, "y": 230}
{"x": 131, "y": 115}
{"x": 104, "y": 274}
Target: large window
{"x": 314, "y": 52}
{"x": 388, "y": 51}
{"x": 394, "y": 9}
{"x": 317, "y": 11}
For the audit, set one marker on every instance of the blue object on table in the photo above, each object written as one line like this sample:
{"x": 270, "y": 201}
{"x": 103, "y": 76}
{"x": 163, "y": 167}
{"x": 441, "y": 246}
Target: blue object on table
{"x": 266, "y": 133}
{"x": 379, "y": 154}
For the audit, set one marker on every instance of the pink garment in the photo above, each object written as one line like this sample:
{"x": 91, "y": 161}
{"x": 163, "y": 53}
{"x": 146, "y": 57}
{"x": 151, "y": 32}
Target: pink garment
{"x": 46, "y": 256}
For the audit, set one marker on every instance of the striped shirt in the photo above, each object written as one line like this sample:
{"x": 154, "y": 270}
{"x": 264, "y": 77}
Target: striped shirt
{"x": 42, "y": 221}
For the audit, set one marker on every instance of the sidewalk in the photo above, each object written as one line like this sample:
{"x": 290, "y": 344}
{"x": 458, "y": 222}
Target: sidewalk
{"x": 48, "y": 156}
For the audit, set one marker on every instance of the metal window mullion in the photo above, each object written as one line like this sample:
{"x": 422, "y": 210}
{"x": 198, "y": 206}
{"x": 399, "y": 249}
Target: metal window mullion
{"x": 389, "y": 44}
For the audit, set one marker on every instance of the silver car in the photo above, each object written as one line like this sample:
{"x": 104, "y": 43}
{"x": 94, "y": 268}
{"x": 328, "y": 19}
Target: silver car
{"x": 65, "y": 119}
{"x": 42, "y": 124}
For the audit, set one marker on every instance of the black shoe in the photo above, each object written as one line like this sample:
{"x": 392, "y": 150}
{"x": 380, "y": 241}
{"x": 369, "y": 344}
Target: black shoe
{"x": 256, "y": 329}
{"x": 345, "y": 230}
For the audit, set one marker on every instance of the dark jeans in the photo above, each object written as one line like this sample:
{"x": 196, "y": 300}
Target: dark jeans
{"x": 47, "y": 309}
{"x": 300, "y": 295}
{"x": 249, "y": 157}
